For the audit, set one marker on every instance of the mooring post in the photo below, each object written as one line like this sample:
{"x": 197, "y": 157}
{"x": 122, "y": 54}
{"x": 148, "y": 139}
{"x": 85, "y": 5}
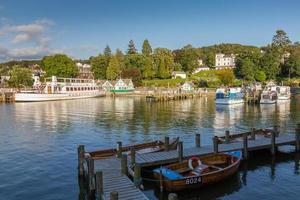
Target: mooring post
{"x": 180, "y": 151}
{"x": 114, "y": 195}
{"x": 119, "y": 149}
{"x": 124, "y": 167}
{"x": 215, "y": 143}
{"x": 80, "y": 151}
{"x": 245, "y": 146}
{"x": 227, "y": 136}
{"x": 297, "y": 138}
{"x": 99, "y": 184}
{"x": 167, "y": 143}
{"x": 276, "y": 130}
{"x": 253, "y": 130}
{"x": 198, "y": 140}
{"x": 172, "y": 196}
{"x": 132, "y": 155}
{"x": 137, "y": 175}
{"x": 90, "y": 162}
{"x": 273, "y": 142}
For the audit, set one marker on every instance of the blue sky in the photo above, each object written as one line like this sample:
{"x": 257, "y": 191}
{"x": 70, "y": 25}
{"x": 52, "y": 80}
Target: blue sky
{"x": 30, "y": 29}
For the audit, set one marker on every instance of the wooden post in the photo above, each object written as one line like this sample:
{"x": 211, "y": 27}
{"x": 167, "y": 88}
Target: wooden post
{"x": 297, "y": 138}
{"x": 90, "y": 162}
{"x": 276, "y": 130}
{"x": 80, "y": 151}
{"x": 215, "y": 143}
{"x": 99, "y": 184}
{"x": 273, "y": 142}
{"x": 137, "y": 175}
{"x": 253, "y": 130}
{"x": 132, "y": 155}
{"x": 119, "y": 149}
{"x": 198, "y": 140}
{"x": 227, "y": 135}
{"x": 180, "y": 151}
{"x": 114, "y": 195}
{"x": 167, "y": 143}
{"x": 245, "y": 146}
{"x": 172, "y": 196}
{"x": 124, "y": 168}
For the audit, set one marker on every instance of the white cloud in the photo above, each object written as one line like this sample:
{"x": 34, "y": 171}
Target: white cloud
{"x": 33, "y": 38}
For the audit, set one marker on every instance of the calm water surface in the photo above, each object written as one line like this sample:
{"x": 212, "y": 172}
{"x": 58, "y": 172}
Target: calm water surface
{"x": 38, "y": 143}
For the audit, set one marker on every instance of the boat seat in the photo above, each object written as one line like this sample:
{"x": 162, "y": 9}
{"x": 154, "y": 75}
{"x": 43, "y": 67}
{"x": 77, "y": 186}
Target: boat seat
{"x": 183, "y": 170}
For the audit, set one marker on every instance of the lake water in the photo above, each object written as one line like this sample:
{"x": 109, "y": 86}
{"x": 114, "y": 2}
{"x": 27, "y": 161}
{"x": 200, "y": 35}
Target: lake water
{"x": 38, "y": 143}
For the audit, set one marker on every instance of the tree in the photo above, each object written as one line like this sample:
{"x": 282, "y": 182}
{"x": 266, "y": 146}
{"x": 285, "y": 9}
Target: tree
{"x": 20, "y": 77}
{"x": 99, "y": 65}
{"x": 131, "y": 48}
{"x": 107, "y": 51}
{"x": 245, "y": 68}
{"x": 270, "y": 62}
{"x": 164, "y": 62}
{"x": 148, "y": 69}
{"x": 134, "y": 74}
{"x": 281, "y": 39}
{"x": 226, "y": 76}
{"x": 134, "y": 61}
{"x": 59, "y": 65}
{"x": 293, "y": 63}
{"x": 121, "y": 58}
{"x": 113, "y": 70}
{"x": 146, "y": 49}
{"x": 260, "y": 76}
{"x": 188, "y": 58}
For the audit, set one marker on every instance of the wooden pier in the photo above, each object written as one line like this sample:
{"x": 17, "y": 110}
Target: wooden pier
{"x": 108, "y": 178}
{"x": 7, "y": 97}
{"x": 252, "y": 97}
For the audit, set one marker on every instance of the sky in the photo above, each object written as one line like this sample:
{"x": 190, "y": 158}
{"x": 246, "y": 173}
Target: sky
{"x": 31, "y": 29}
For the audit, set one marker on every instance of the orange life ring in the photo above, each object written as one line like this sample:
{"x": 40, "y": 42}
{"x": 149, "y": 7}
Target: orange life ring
{"x": 194, "y": 159}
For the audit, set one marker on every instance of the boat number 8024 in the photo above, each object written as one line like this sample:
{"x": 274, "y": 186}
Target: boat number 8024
{"x": 193, "y": 180}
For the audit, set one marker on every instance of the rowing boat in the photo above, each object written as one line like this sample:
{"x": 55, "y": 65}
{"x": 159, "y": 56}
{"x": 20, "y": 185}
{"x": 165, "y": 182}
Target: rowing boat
{"x": 148, "y": 147}
{"x": 198, "y": 171}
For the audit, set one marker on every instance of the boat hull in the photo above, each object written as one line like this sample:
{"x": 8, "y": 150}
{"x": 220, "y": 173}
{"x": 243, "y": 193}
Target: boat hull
{"x": 229, "y": 101}
{"x": 283, "y": 98}
{"x": 267, "y": 101}
{"x": 36, "y": 97}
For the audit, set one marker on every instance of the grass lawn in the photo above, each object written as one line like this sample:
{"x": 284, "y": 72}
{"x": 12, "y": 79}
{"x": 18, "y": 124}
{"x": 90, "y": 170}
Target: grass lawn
{"x": 163, "y": 82}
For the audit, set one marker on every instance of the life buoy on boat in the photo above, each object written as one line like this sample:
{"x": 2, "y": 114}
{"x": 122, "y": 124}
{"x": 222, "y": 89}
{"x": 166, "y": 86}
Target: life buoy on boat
{"x": 194, "y": 159}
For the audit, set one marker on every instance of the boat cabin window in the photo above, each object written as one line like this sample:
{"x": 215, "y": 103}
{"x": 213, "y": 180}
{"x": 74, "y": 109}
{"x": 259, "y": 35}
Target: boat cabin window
{"x": 67, "y": 88}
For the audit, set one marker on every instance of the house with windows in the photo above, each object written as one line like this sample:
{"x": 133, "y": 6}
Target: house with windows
{"x": 123, "y": 85}
{"x": 107, "y": 85}
{"x": 224, "y": 61}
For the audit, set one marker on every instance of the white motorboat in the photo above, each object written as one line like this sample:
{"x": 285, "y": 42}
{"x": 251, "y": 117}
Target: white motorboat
{"x": 229, "y": 96}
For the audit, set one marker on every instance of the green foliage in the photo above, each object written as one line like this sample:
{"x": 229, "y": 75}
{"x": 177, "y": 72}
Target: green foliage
{"x": 113, "y": 70}
{"x": 245, "y": 68}
{"x": 121, "y": 58}
{"x": 146, "y": 49}
{"x": 59, "y": 65}
{"x": 20, "y": 77}
{"x": 148, "y": 68}
{"x": 226, "y": 76}
{"x": 293, "y": 63}
{"x": 281, "y": 39}
{"x": 99, "y": 65}
{"x": 131, "y": 48}
{"x": 188, "y": 58}
{"x": 134, "y": 61}
{"x": 134, "y": 74}
{"x": 164, "y": 61}
{"x": 107, "y": 51}
{"x": 260, "y": 76}
{"x": 270, "y": 62}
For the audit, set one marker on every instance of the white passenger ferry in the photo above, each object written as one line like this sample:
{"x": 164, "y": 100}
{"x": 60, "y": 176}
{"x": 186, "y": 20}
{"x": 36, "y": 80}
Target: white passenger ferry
{"x": 60, "y": 89}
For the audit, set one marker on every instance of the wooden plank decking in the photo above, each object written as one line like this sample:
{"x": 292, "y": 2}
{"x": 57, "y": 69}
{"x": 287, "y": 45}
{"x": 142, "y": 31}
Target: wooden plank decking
{"x": 113, "y": 180}
{"x": 159, "y": 158}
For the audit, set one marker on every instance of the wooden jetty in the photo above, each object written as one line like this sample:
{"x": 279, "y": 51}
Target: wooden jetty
{"x": 252, "y": 97}
{"x": 110, "y": 179}
{"x": 7, "y": 96}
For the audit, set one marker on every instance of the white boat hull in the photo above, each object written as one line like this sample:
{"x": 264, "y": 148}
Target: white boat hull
{"x": 267, "y": 101}
{"x": 229, "y": 101}
{"x": 36, "y": 97}
{"x": 283, "y": 98}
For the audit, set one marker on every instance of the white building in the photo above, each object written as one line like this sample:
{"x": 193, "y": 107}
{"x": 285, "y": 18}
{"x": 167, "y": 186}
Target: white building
{"x": 200, "y": 62}
{"x": 121, "y": 85}
{"x": 199, "y": 69}
{"x": 178, "y": 74}
{"x": 223, "y": 60}
{"x": 187, "y": 87}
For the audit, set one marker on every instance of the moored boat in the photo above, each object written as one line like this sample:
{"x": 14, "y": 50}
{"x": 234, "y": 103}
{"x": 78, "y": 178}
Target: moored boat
{"x": 198, "y": 171}
{"x": 60, "y": 89}
{"x": 284, "y": 93}
{"x": 229, "y": 96}
{"x": 269, "y": 94}
{"x": 142, "y": 148}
